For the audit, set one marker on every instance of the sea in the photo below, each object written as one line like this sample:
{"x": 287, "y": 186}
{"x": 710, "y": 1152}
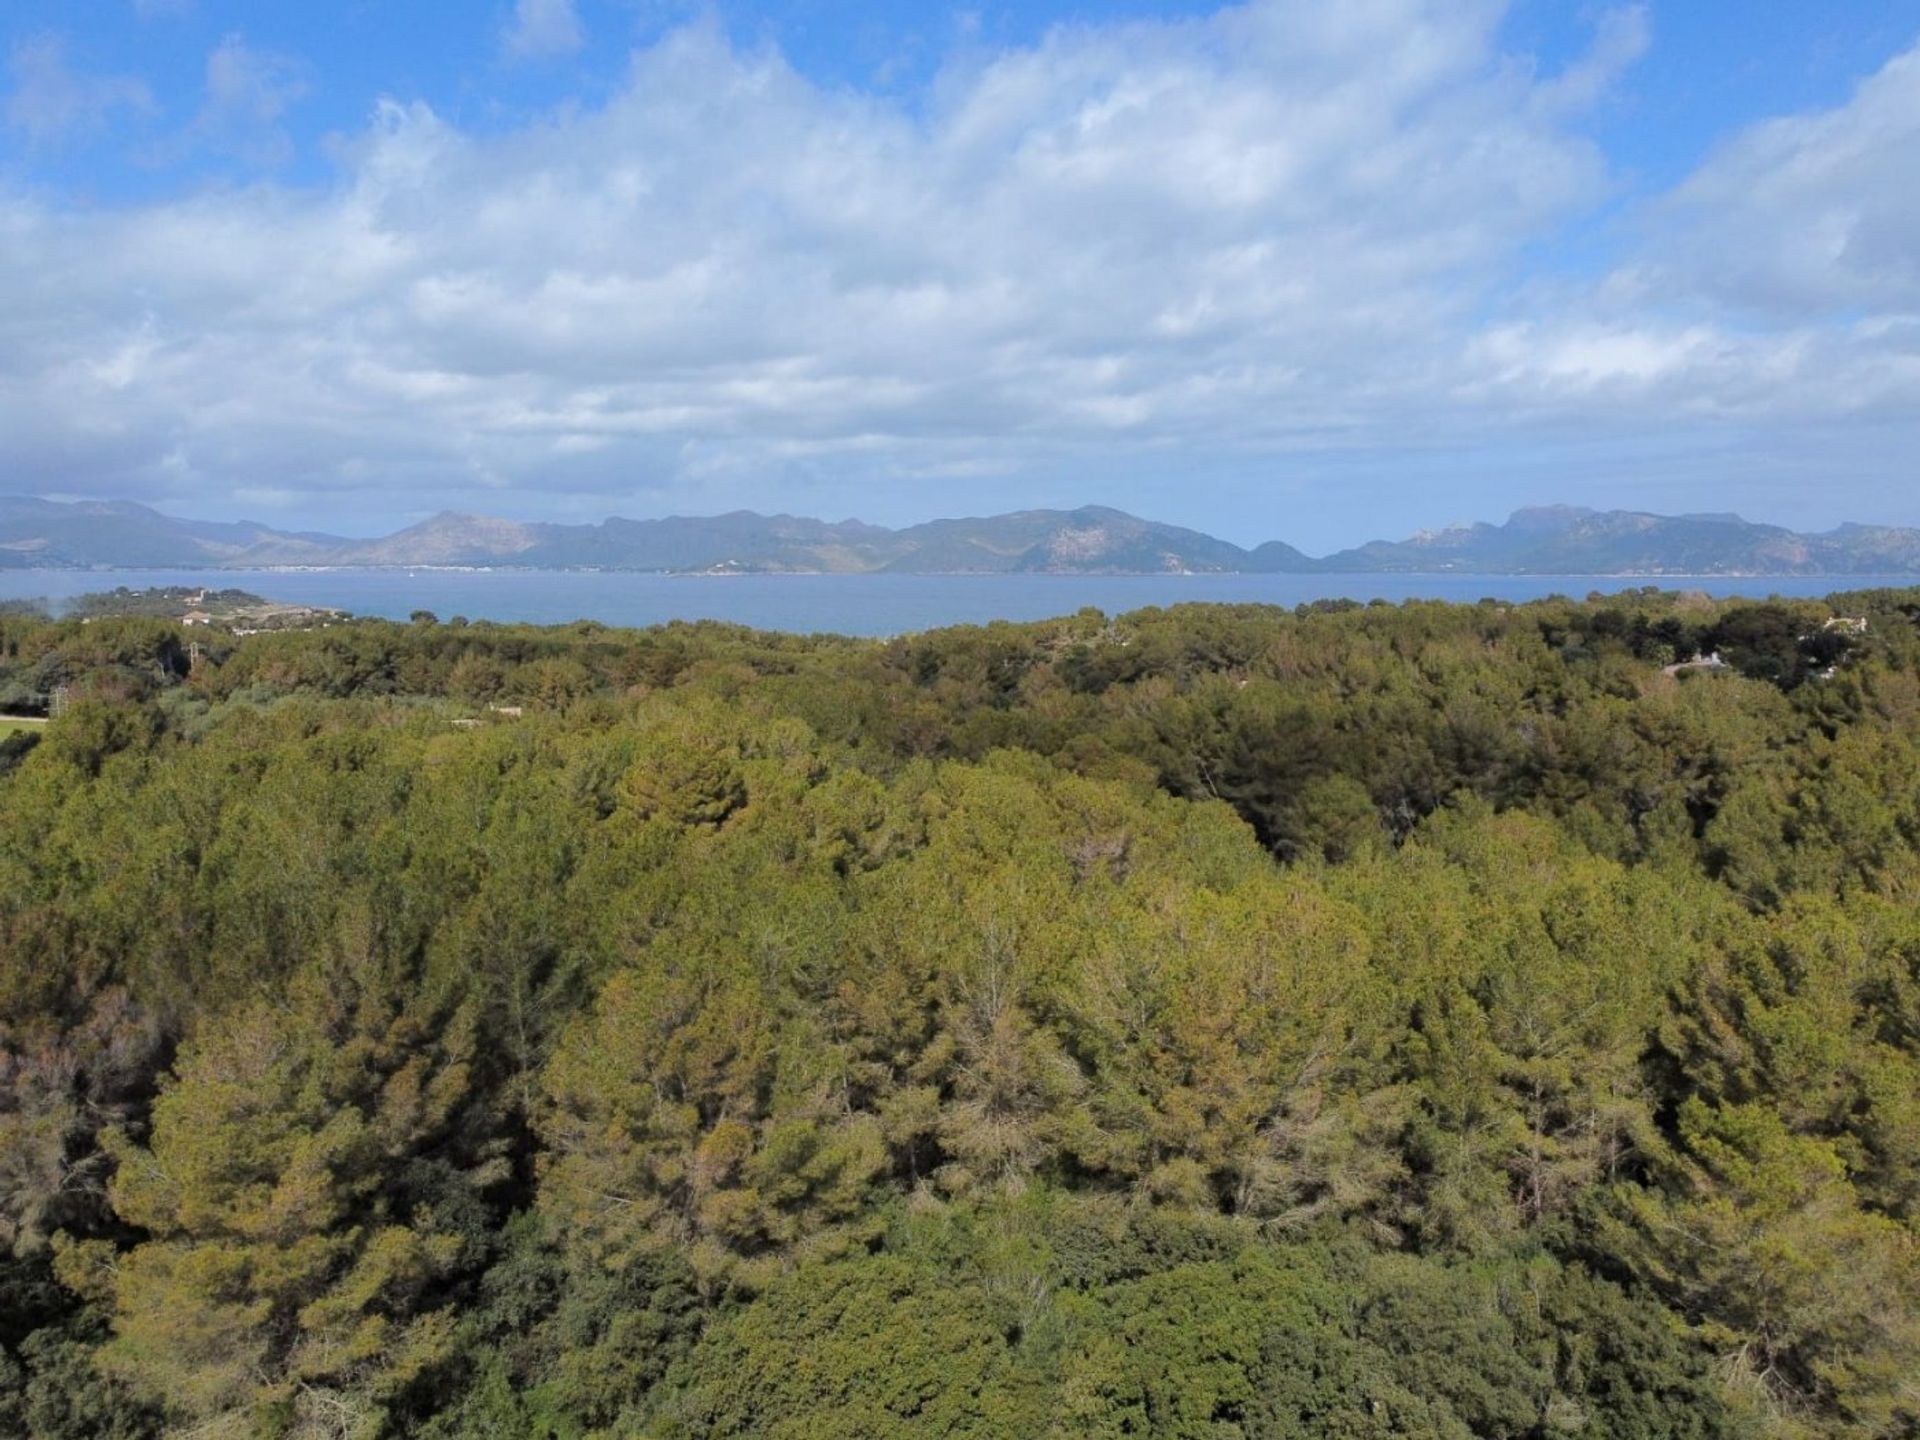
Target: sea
{"x": 869, "y": 605}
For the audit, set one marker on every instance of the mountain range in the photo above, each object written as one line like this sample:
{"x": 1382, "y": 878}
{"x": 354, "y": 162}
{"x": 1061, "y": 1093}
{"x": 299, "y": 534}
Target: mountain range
{"x": 1549, "y": 540}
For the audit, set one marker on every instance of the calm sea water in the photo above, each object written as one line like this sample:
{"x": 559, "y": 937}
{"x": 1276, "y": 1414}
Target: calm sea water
{"x": 848, "y": 604}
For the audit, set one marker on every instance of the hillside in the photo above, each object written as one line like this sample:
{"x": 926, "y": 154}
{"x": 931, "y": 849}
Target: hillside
{"x": 1567, "y": 540}
{"x": 1094, "y": 539}
{"x": 86, "y": 533}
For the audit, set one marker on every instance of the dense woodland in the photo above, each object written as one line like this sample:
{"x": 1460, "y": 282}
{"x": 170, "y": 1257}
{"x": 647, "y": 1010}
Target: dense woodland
{"x": 1357, "y": 1022}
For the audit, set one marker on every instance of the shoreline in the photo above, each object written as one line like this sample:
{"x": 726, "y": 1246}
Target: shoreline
{"x": 1715, "y": 575}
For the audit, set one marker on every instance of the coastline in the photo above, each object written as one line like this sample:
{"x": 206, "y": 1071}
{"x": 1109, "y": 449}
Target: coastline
{"x": 1062, "y": 574}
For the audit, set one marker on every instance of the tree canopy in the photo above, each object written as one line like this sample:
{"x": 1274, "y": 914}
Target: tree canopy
{"x": 1363, "y": 1021}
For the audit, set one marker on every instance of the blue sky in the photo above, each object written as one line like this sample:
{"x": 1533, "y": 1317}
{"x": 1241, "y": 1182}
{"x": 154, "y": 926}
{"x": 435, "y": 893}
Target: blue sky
{"x": 1278, "y": 269}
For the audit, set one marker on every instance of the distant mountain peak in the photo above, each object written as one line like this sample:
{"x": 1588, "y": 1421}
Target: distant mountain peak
{"x": 442, "y": 519}
{"x": 1549, "y": 517}
{"x": 1445, "y": 535}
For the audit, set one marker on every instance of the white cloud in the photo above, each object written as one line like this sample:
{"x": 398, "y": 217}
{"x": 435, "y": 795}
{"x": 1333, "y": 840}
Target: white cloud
{"x": 541, "y": 29}
{"x": 49, "y": 101}
{"x": 1808, "y": 214}
{"x": 1623, "y": 37}
{"x": 248, "y": 94}
{"x": 1205, "y": 247}
{"x": 252, "y": 85}
{"x": 1778, "y": 284}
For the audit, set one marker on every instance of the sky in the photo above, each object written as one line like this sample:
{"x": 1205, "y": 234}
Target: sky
{"x": 1281, "y": 269}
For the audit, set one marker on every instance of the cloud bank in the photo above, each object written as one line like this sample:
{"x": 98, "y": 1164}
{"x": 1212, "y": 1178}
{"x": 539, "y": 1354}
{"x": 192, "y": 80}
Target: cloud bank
{"x": 1239, "y": 247}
